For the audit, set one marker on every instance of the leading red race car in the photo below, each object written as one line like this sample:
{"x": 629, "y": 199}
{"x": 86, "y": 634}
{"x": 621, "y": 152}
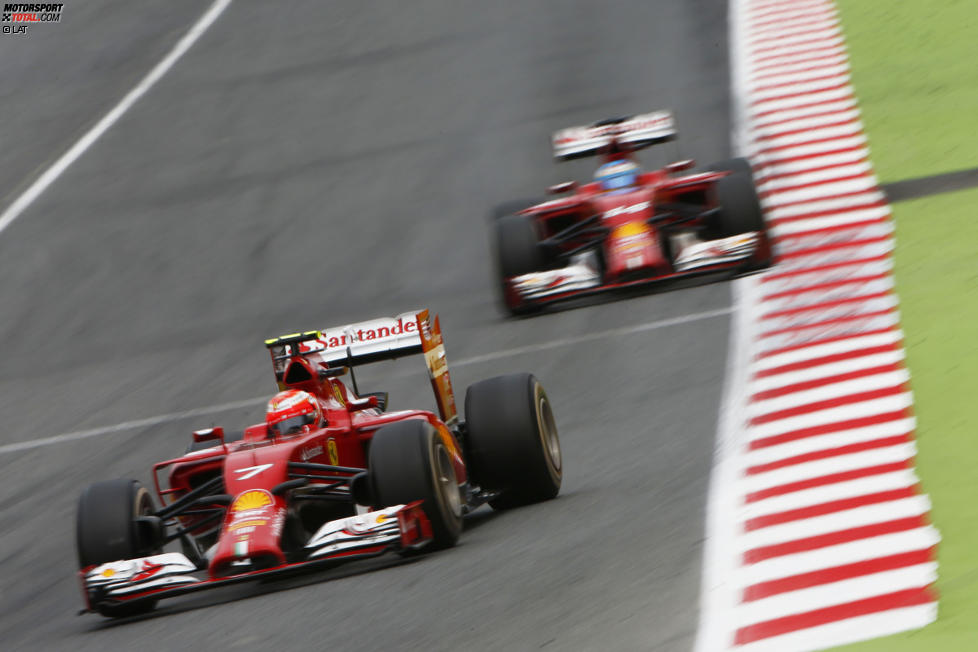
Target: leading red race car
{"x": 627, "y": 228}
{"x": 330, "y": 476}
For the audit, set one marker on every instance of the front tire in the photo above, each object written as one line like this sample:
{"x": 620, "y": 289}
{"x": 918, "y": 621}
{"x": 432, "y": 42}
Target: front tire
{"x": 517, "y": 252}
{"x": 740, "y": 208}
{"x": 409, "y": 461}
{"x": 512, "y": 440}
{"x": 108, "y": 529}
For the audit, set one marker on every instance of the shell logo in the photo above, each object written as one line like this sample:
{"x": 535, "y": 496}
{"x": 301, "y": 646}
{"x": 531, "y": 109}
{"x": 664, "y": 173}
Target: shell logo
{"x": 630, "y": 229}
{"x": 253, "y": 499}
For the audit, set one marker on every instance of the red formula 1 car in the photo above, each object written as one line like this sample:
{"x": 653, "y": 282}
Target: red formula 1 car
{"x": 628, "y": 227}
{"x": 330, "y": 476}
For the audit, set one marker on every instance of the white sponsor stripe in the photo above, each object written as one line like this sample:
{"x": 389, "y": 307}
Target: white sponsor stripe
{"x": 836, "y": 106}
{"x": 488, "y": 357}
{"x": 831, "y": 415}
{"x": 796, "y": 101}
{"x": 826, "y": 349}
{"x": 819, "y": 133}
{"x": 809, "y": 122}
{"x": 829, "y": 370}
{"x": 51, "y": 174}
{"x": 816, "y": 205}
{"x": 838, "y": 555}
{"x": 829, "y": 466}
{"x": 828, "y": 493}
{"x": 772, "y": 157}
{"x": 800, "y": 227}
{"x": 802, "y": 66}
{"x": 841, "y": 592}
{"x": 815, "y": 176}
{"x": 842, "y": 389}
{"x": 845, "y": 520}
{"x": 867, "y": 182}
{"x": 812, "y": 86}
{"x": 860, "y": 628}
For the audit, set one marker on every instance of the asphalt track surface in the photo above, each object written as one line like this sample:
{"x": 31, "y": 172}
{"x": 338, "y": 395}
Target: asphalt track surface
{"x": 308, "y": 164}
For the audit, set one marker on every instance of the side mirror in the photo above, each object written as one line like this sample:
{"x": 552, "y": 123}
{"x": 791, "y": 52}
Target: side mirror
{"x": 372, "y": 400}
{"x": 679, "y": 166}
{"x": 209, "y": 434}
{"x": 559, "y": 188}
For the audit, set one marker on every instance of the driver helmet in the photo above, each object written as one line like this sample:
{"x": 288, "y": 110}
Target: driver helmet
{"x": 617, "y": 175}
{"x": 292, "y": 412}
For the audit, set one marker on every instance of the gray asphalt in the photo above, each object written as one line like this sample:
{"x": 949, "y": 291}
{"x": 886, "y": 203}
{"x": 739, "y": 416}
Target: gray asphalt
{"x": 309, "y": 164}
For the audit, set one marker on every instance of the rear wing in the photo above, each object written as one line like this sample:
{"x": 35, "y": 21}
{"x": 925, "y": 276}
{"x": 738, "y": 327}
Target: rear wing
{"x": 387, "y": 338}
{"x": 632, "y": 133}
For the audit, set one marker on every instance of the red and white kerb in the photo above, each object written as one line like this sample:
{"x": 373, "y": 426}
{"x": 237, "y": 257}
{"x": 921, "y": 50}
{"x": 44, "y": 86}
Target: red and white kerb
{"x": 827, "y": 540}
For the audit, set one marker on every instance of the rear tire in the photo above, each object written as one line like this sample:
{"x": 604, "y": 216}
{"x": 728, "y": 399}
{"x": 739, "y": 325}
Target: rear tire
{"x": 512, "y": 441}
{"x": 107, "y": 530}
{"x": 409, "y": 462}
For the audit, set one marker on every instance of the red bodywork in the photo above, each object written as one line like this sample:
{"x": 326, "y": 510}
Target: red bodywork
{"x": 629, "y": 231}
{"x": 259, "y": 462}
{"x": 246, "y": 527}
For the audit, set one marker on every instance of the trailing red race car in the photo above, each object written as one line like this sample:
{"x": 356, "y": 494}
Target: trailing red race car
{"x": 330, "y": 476}
{"x": 628, "y": 227}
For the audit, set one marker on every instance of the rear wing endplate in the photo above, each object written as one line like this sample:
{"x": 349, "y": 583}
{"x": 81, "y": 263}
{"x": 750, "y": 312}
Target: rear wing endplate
{"x": 633, "y": 132}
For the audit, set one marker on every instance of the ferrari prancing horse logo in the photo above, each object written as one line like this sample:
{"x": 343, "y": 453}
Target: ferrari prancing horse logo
{"x": 334, "y": 457}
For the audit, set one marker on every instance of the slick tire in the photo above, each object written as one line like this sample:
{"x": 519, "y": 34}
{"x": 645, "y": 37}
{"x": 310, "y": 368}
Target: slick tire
{"x": 517, "y": 252}
{"x": 108, "y": 529}
{"x": 409, "y": 461}
{"x": 740, "y": 209}
{"x": 512, "y": 441}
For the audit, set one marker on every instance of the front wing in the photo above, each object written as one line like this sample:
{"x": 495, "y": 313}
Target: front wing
{"x": 128, "y": 581}
{"x": 581, "y": 279}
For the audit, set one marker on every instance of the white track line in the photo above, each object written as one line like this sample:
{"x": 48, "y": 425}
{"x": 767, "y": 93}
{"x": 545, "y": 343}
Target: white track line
{"x": 50, "y": 175}
{"x": 250, "y": 402}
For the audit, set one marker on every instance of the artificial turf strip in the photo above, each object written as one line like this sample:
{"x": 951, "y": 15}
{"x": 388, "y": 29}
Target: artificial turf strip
{"x": 915, "y": 72}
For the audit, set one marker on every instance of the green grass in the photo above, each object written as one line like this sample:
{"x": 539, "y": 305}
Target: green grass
{"x": 915, "y": 70}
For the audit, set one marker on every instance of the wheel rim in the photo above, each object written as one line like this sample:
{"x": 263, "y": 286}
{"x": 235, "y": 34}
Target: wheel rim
{"x": 445, "y": 478}
{"x": 548, "y": 432}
